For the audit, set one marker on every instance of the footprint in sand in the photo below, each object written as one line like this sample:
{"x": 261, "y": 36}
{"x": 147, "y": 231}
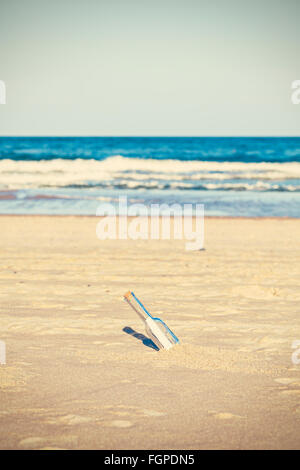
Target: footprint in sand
{"x": 152, "y": 413}
{"x": 289, "y": 382}
{"x": 225, "y": 415}
{"x": 285, "y": 380}
{"x": 270, "y": 340}
{"x": 133, "y": 411}
{"x": 122, "y": 413}
{"x": 292, "y": 391}
{"x": 69, "y": 419}
{"x": 32, "y": 442}
{"x": 52, "y": 448}
{"x": 136, "y": 411}
{"x": 120, "y": 424}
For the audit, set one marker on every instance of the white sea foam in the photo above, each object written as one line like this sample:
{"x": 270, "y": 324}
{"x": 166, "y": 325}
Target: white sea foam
{"x": 136, "y": 173}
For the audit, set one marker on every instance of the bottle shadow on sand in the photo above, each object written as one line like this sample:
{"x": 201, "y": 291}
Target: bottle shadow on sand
{"x": 145, "y": 340}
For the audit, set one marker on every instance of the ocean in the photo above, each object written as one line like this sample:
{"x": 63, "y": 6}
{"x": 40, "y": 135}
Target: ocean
{"x": 231, "y": 176}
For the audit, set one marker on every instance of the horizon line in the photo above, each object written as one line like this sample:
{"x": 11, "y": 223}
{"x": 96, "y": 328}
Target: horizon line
{"x": 68, "y": 136}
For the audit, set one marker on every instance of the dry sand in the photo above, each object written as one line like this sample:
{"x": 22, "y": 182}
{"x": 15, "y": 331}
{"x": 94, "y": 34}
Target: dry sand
{"x": 75, "y": 379}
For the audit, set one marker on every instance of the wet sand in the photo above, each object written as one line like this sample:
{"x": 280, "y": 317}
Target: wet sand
{"x": 80, "y": 374}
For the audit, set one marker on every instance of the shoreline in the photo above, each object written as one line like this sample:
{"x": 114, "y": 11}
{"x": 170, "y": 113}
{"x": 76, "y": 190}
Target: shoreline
{"x": 213, "y": 217}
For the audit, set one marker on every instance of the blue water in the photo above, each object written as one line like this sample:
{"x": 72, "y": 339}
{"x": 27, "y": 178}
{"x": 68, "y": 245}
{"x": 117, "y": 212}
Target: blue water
{"x": 230, "y": 176}
{"x": 219, "y": 149}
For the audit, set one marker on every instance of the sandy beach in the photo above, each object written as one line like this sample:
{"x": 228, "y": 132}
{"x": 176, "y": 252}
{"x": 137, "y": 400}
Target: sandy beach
{"x": 79, "y": 374}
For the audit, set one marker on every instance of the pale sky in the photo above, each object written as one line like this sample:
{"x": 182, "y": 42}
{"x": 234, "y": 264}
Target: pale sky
{"x": 155, "y": 67}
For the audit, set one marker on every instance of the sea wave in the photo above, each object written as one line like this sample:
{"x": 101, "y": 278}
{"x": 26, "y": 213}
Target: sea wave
{"x": 133, "y": 173}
